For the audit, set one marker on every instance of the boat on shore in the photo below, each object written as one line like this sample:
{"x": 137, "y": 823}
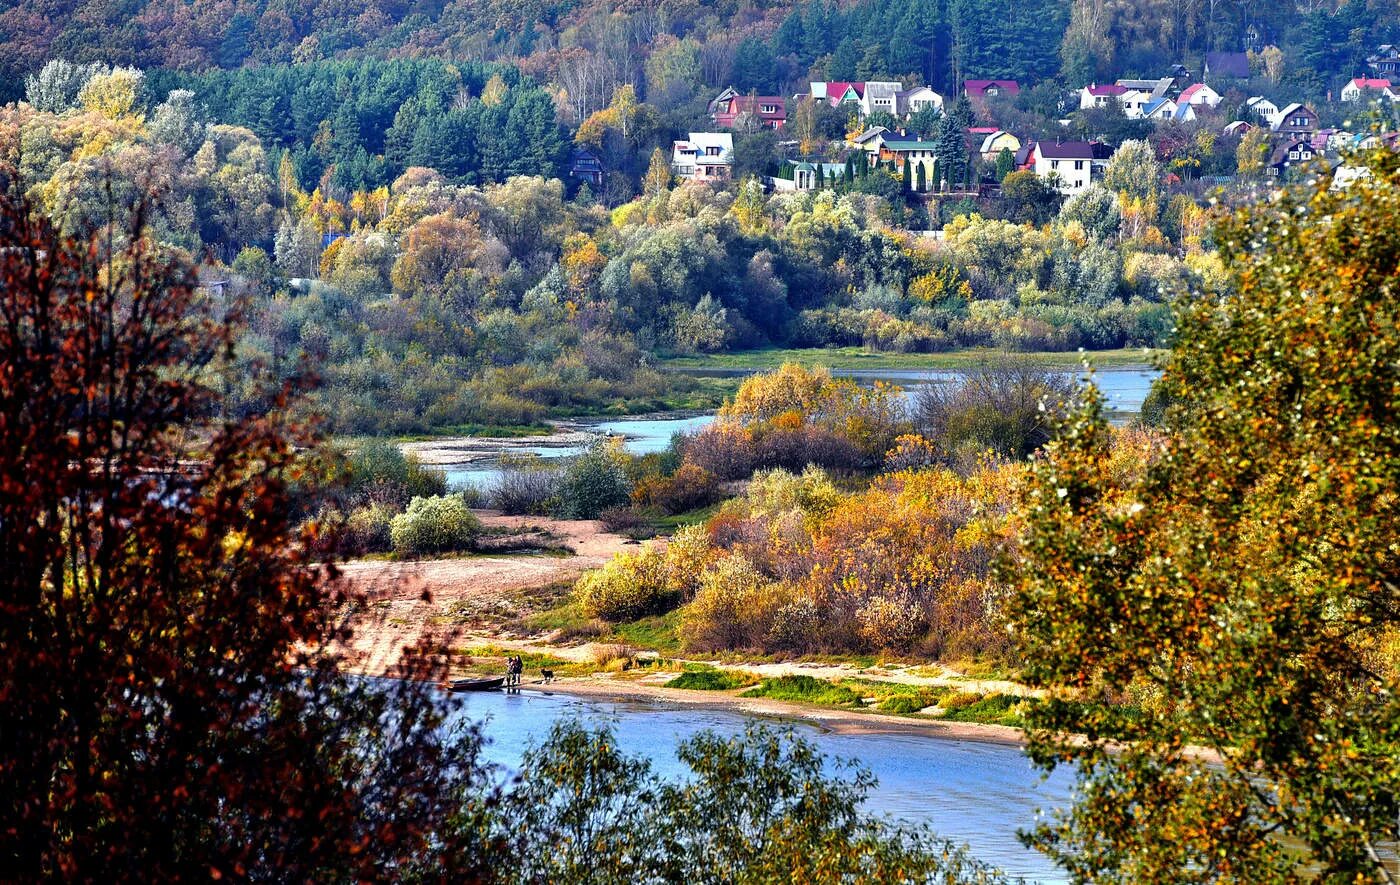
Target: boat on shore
{"x": 487, "y": 684}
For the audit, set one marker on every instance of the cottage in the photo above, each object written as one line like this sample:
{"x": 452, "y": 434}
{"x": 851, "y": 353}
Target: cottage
{"x": 1289, "y": 153}
{"x": 1238, "y": 127}
{"x": 1264, "y": 109}
{"x": 1160, "y": 109}
{"x": 1385, "y": 61}
{"x": 770, "y": 111}
{"x": 869, "y": 140}
{"x": 837, "y": 92}
{"x": 1296, "y": 119}
{"x": 585, "y": 166}
{"x": 1075, "y": 164}
{"x": 1368, "y": 88}
{"x": 1098, "y": 96}
{"x": 721, "y": 101}
{"x": 1133, "y": 101}
{"x": 982, "y": 89}
{"x": 920, "y": 98}
{"x": 1157, "y": 88}
{"x": 995, "y": 142}
{"x": 880, "y": 95}
{"x": 704, "y": 156}
{"x": 1232, "y": 65}
{"x": 909, "y": 154}
{"x": 1199, "y": 95}
{"x": 806, "y": 176}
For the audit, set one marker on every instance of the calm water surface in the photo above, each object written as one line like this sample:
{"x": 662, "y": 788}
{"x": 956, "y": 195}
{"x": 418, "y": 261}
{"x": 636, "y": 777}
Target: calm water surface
{"x": 1124, "y": 390}
{"x": 968, "y": 791}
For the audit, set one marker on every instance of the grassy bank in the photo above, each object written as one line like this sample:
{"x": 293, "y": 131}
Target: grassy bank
{"x": 860, "y": 358}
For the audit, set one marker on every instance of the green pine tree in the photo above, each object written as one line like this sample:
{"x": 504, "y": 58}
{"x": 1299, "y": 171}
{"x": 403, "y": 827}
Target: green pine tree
{"x": 1006, "y": 164}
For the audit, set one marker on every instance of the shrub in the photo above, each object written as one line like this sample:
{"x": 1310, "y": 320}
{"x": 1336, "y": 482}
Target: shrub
{"x": 379, "y": 472}
{"x": 434, "y": 525}
{"x": 690, "y": 487}
{"x": 807, "y": 689}
{"x": 367, "y": 529}
{"x": 709, "y": 679}
{"x": 525, "y": 489}
{"x": 891, "y": 621}
{"x": 629, "y": 586}
{"x": 733, "y": 607}
{"x": 902, "y": 704}
{"x": 621, "y": 519}
{"x": 592, "y": 483}
{"x": 687, "y": 556}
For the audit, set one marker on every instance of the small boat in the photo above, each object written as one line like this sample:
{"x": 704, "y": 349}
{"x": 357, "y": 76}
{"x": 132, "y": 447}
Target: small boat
{"x": 489, "y": 684}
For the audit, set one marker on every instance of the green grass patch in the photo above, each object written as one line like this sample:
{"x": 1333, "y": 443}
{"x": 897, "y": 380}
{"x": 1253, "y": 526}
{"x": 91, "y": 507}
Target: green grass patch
{"x": 861, "y": 358}
{"x": 659, "y": 633}
{"x": 807, "y": 689}
{"x": 710, "y": 679}
{"x": 990, "y": 709}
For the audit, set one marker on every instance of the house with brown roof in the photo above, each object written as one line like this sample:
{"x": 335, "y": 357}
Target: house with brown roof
{"x": 1074, "y": 164}
{"x": 769, "y": 110}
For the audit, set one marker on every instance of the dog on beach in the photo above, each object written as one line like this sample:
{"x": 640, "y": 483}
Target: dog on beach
{"x": 548, "y": 675}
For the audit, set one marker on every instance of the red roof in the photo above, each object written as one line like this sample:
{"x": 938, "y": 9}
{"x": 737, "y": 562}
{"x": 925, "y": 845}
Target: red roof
{"x": 983, "y": 130}
{"x": 978, "y": 88}
{"x": 1108, "y": 89}
{"x": 1369, "y": 83}
{"x": 1191, "y": 90}
{"x": 837, "y": 88}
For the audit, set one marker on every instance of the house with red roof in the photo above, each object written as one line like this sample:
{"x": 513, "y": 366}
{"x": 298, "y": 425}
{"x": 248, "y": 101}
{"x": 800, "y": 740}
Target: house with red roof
{"x": 1368, "y": 87}
{"x": 837, "y": 92}
{"x": 769, "y": 110}
{"x": 1098, "y": 96}
{"x": 981, "y": 89}
{"x": 1199, "y": 94}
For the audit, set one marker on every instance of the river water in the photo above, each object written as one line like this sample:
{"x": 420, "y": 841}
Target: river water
{"x": 972, "y": 792}
{"x": 1124, "y": 389}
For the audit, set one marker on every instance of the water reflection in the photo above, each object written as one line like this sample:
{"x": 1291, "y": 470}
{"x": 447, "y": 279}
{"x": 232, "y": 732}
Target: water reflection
{"x": 968, "y": 791}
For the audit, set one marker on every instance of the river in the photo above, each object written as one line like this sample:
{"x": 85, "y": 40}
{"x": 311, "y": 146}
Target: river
{"x": 1123, "y": 388}
{"x": 976, "y": 792}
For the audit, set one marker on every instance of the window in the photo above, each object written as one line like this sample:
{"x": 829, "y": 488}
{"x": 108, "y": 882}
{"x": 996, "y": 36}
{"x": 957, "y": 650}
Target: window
{"x": 1078, "y": 165}
{"x": 1054, "y": 164}
{"x": 768, "y": 109}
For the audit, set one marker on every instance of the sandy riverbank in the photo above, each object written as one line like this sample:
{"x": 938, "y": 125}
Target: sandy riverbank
{"x": 600, "y": 687}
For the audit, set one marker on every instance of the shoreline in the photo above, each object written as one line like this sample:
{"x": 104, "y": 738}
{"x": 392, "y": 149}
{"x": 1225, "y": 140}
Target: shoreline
{"x": 833, "y": 720}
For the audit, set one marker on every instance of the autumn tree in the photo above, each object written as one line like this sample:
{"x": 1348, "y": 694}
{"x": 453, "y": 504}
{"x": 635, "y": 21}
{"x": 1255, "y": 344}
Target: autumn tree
{"x": 170, "y": 708}
{"x": 1239, "y": 590}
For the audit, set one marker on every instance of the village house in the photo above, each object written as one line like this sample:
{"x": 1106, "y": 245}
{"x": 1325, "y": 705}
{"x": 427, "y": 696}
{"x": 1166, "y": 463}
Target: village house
{"x": 1098, "y": 96}
{"x": 1156, "y": 88}
{"x": 978, "y": 90}
{"x": 1264, "y": 109}
{"x": 704, "y": 156}
{"x": 879, "y": 95}
{"x": 721, "y": 101}
{"x": 1238, "y": 127}
{"x": 806, "y": 175}
{"x": 1296, "y": 119}
{"x": 909, "y": 154}
{"x": 1289, "y": 153}
{"x": 920, "y": 98}
{"x": 836, "y": 92}
{"x": 1230, "y": 65}
{"x": 869, "y": 140}
{"x": 1385, "y": 61}
{"x": 995, "y": 142}
{"x": 1134, "y": 101}
{"x": 1166, "y": 109}
{"x": 1074, "y": 164}
{"x": 770, "y": 111}
{"x": 1368, "y": 88}
{"x": 1199, "y": 95}
{"x": 585, "y": 166}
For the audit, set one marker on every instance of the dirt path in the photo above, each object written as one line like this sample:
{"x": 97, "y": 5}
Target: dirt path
{"x": 443, "y": 599}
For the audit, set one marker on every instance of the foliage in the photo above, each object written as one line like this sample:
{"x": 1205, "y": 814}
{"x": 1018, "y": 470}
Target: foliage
{"x": 760, "y": 806}
{"x": 172, "y": 709}
{"x": 439, "y": 524}
{"x": 593, "y": 482}
{"x": 807, "y": 689}
{"x": 1244, "y": 578}
{"x": 1009, "y": 409}
{"x": 709, "y": 679}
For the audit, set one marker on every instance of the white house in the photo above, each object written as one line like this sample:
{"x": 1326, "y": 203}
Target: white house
{"x": 1199, "y": 94}
{"x": 1133, "y": 101}
{"x": 1097, "y": 96}
{"x": 920, "y": 98}
{"x": 1160, "y": 109}
{"x": 1238, "y": 127}
{"x": 1075, "y": 164}
{"x": 1369, "y": 88}
{"x": 704, "y": 156}
{"x": 880, "y": 95}
{"x": 1264, "y": 109}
